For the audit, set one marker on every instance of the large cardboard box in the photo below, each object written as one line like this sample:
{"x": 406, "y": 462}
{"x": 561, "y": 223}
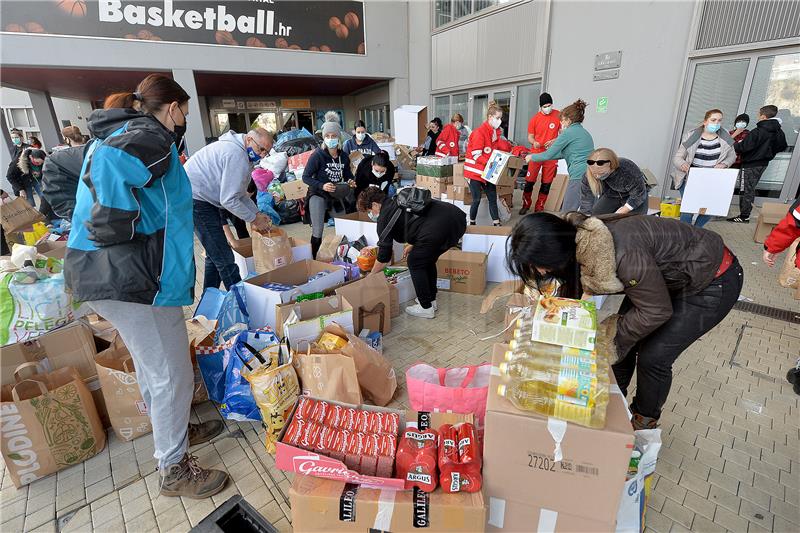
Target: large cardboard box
{"x": 503, "y": 168}
{"x": 243, "y": 253}
{"x": 315, "y": 316}
{"x": 261, "y": 301}
{"x": 437, "y": 186}
{"x": 357, "y": 225}
{"x": 462, "y": 272}
{"x": 771, "y": 214}
{"x": 370, "y": 299}
{"x": 321, "y": 505}
{"x": 557, "y": 191}
{"x": 492, "y": 241}
{"x": 587, "y": 482}
{"x": 459, "y": 192}
{"x": 458, "y": 175}
{"x": 294, "y": 190}
{"x": 512, "y": 517}
{"x": 410, "y": 125}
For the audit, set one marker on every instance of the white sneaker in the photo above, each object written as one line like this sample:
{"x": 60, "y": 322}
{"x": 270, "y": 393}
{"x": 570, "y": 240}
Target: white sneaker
{"x": 433, "y": 303}
{"x": 418, "y": 310}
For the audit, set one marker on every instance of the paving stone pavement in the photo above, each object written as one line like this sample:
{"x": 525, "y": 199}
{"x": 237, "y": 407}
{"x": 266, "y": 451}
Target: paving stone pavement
{"x": 731, "y": 431}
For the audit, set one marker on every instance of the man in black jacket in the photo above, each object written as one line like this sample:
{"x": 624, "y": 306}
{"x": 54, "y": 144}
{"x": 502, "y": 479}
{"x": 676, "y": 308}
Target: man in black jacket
{"x": 61, "y": 173}
{"x": 757, "y": 150}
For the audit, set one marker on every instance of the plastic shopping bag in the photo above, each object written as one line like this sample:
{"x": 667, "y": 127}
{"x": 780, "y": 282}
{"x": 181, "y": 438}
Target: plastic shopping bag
{"x": 228, "y": 308}
{"x": 238, "y": 402}
{"x": 457, "y": 390}
{"x": 637, "y": 490}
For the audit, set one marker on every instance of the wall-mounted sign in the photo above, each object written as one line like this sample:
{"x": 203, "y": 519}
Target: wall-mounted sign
{"x": 261, "y": 105}
{"x": 229, "y": 103}
{"x": 608, "y": 60}
{"x": 602, "y": 104}
{"x": 239, "y": 105}
{"x": 296, "y": 104}
{"x": 606, "y": 75}
{"x": 317, "y": 26}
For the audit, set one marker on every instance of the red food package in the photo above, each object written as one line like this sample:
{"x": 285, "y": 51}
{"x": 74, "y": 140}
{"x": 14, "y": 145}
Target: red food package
{"x": 448, "y": 445}
{"x": 339, "y": 456}
{"x": 461, "y": 478}
{"x": 311, "y": 436}
{"x": 361, "y": 421}
{"x": 369, "y": 465}
{"x": 352, "y": 461}
{"x": 416, "y": 459}
{"x": 335, "y": 440}
{"x": 391, "y": 423}
{"x": 385, "y": 466}
{"x": 375, "y": 423}
{"x": 334, "y": 415}
{"x": 355, "y": 444}
{"x": 294, "y": 432}
{"x": 349, "y": 419}
{"x": 305, "y": 406}
{"x": 319, "y": 412}
{"x": 469, "y": 450}
{"x": 385, "y": 445}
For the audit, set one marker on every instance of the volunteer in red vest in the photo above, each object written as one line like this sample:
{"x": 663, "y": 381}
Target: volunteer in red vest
{"x": 542, "y": 131}
{"x": 447, "y": 142}
{"x": 482, "y": 142}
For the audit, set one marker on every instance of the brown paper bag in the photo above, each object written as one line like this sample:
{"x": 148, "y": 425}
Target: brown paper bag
{"x": 394, "y": 301}
{"x": 376, "y": 376}
{"x": 329, "y": 248}
{"x": 124, "y": 403}
{"x": 328, "y": 376}
{"x": 18, "y": 214}
{"x": 49, "y": 422}
{"x": 271, "y": 250}
{"x": 201, "y": 333}
{"x": 789, "y": 276}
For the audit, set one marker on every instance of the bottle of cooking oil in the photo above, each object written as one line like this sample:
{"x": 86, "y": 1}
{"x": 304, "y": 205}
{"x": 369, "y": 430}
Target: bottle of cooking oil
{"x": 540, "y": 357}
{"x": 543, "y": 398}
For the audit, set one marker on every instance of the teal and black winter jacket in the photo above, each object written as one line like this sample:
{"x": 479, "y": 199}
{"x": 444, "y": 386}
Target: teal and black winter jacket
{"x": 132, "y": 230}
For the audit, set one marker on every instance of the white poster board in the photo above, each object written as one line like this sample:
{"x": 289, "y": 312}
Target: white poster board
{"x": 710, "y": 189}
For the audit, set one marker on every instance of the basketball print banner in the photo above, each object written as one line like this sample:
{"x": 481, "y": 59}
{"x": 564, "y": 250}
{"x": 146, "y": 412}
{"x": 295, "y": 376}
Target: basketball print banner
{"x": 317, "y": 26}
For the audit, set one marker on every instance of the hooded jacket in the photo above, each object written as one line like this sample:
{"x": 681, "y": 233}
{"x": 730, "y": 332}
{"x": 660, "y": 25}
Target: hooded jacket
{"x": 761, "y": 144}
{"x": 626, "y": 182}
{"x": 482, "y": 142}
{"x": 60, "y": 176}
{"x": 688, "y": 147}
{"x": 220, "y": 174}
{"x": 367, "y": 147}
{"x": 651, "y": 259}
{"x": 365, "y": 177}
{"x": 23, "y": 174}
{"x": 447, "y": 142}
{"x": 132, "y": 231}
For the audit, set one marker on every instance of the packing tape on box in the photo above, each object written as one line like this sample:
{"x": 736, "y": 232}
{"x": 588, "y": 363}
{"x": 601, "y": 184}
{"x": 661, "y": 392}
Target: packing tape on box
{"x": 383, "y": 518}
{"x": 547, "y": 521}
{"x": 495, "y": 371}
{"x": 557, "y": 429}
{"x": 614, "y": 389}
{"x": 497, "y": 512}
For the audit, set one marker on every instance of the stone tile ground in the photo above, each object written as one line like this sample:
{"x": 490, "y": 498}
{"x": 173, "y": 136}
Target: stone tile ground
{"x": 730, "y": 461}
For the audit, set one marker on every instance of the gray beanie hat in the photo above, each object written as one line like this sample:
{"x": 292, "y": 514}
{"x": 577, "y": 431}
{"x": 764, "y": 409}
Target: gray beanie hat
{"x": 331, "y": 127}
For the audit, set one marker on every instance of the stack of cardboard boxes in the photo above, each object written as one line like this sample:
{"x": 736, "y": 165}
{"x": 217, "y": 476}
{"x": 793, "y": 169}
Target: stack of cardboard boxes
{"x": 435, "y": 174}
{"x": 459, "y": 190}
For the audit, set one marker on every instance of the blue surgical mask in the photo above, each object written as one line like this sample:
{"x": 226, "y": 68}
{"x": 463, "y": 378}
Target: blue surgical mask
{"x": 712, "y": 128}
{"x": 741, "y": 125}
{"x": 252, "y": 155}
{"x": 361, "y": 136}
{"x": 332, "y": 143}
{"x": 17, "y": 141}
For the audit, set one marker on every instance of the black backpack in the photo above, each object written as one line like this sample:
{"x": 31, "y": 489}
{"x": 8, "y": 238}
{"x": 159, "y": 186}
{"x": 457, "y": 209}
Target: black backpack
{"x": 410, "y": 200}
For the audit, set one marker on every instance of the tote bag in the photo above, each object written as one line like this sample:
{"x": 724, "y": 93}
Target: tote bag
{"x": 458, "y": 390}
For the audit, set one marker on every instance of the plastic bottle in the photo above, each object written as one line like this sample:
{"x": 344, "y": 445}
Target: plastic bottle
{"x": 542, "y": 398}
{"x": 633, "y": 466}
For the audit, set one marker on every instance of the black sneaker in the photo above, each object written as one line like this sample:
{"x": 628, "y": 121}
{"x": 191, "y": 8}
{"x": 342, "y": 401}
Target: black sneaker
{"x": 524, "y": 210}
{"x": 739, "y": 220}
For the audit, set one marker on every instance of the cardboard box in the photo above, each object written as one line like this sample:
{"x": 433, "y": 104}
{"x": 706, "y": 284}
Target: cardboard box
{"x": 770, "y": 216}
{"x": 462, "y": 272}
{"x": 435, "y": 171}
{"x": 261, "y": 302}
{"x": 294, "y": 190}
{"x": 243, "y": 253}
{"x": 503, "y": 168}
{"x": 587, "y": 482}
{"x": 394, "y": 301}
{"x": 370, "y": 299}
{"x": 459, "y": 192}
{"x": 406, "y": 157}
{"x": 558, "y": 188}
{"x": 315, "y": 316}
{"x": 357, "y": 225}
{"x": 653, "y": 205}
{"x": 437, "y": 186}
{"x": 492, "y": 241}
{"x": 410, "y": 125}
{"x": 458, "y": 175}
{"x": 54, "y": 249}
{"x": 511, "y": 516}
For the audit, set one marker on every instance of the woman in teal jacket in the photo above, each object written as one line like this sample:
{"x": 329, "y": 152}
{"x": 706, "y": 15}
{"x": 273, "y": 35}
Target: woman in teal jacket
{"x": 574, "y": 144}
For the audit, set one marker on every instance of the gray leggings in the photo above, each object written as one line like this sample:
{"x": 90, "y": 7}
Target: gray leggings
{"x": 317, "y": 205}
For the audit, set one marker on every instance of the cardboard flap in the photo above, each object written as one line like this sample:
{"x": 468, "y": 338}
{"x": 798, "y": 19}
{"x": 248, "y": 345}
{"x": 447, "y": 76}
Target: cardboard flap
{"x": 506, "y": 288}
{"x": 366, "y": 295}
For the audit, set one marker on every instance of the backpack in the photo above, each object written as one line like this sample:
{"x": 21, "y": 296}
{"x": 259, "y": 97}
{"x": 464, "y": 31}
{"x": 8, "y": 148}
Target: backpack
{"x": 410, "y": 200}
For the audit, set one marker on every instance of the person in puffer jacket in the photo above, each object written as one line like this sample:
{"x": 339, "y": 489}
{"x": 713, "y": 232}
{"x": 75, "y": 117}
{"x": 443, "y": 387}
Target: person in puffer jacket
{"x": 447, "y": 142}
{"x": 484, "y": 140}
{"x": 130, "y": 257}
{"x": 61, "y": 173}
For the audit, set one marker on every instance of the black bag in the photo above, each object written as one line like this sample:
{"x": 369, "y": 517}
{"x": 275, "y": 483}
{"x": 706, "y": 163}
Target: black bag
{"x": 410, "y": 200}
{"x": 289, "y": 211}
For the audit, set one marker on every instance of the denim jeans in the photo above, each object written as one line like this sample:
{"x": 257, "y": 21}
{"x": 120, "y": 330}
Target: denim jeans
{"x": 750, "y": 178}
{"x": 476, "y": 189}
{"x": 700, "y": 221}
{"x": 220, "y": 265}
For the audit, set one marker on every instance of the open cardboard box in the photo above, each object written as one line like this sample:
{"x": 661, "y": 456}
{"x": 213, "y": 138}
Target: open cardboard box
{"x": 492, "y": 241}
{"x": 462, "y": 272}
{"x": 770, "y": 216}
{"x": 294, "y": 190}
{"x": 243, "y": 252}
{"x": 357, "y": 225}
{"x": 315, "y": 316}
{"x": 587, "y": 482}
{"x": 261, "y": 301}
{"x": 370, "y": 299}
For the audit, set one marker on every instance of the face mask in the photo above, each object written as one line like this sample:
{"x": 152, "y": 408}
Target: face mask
{"x": 495, "y": 122}
{"x": 741, "y": 125}
{"x": 372, "y": 216}
{"x": 603, "y": 174}
{"x": 17, "y": 141}
{"x": 252, "y": 155}
{"x": 457, "y": 125}
{"x": 178, "y": 134}
{"x": 712, "y": 128}
{"x": 546, "y": 110}
{"x": 361, "y": 136}
{"x": 331, "y": 143}
{"x": 378, "y": 174}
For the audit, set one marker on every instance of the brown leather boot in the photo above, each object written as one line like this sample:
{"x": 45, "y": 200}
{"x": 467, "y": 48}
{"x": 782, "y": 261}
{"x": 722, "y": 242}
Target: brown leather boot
{"x": 186, "y": 478}
{"x": 205, "y": 431}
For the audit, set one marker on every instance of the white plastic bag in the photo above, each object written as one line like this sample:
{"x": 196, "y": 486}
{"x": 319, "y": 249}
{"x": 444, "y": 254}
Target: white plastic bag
{"x": 636, "y": 493}
{"x": 503, "y": 210}
{"x": 276, "y": 162}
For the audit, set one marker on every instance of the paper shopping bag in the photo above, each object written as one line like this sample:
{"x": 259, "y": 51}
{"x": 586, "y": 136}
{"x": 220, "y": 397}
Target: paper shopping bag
{"x": 124, "y": 403}
{"x": 49, "y": 423}
{"x": 18, "y": 214}
{"x": 328, "y": 376}
{"x": 271, "y": 250}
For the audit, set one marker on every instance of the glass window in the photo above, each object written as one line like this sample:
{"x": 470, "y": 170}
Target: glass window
{"x": 441, "y": 108}
{"x": 527, "y": 106}
{"x": 503, "y": 100}
{"x": 483, "y": 4}
{"x": 777, "y": 82}
{"x": 19, "y": 118}
{"x": 268, "y": 121}
{"x": 459, "y": 103}
{"x": 716, "y": 85}
{"x": 31, "y": 117}
{"x": 462, "y": 8}
{"x": 444, "y": 12}
{"x": 480, "y": 105}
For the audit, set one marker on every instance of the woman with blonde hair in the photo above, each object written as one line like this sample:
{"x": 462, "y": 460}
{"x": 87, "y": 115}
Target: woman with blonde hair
{"x": 612, "y": 185}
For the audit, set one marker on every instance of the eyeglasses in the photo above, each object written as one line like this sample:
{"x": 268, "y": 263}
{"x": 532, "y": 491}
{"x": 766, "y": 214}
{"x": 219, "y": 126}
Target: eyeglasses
{"x": 261, "y": 149}
{"x": 598, "y": 162}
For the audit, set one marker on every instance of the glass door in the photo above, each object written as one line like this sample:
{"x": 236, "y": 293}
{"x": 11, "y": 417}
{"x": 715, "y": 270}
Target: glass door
{"x": 480, "y": 105}
{"x": 503, "y": 99}
{"x": 526, "y": 106}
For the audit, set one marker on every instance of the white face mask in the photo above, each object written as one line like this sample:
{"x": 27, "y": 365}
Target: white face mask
{"x": 546, "y": 109}
{"x": 361, "y": 136}
{"x": 741, "y": 125}
{"x": 378, "y": 174}
{"x": 372, "y": 216}
{"x": 495, "y": 122}
{"x": 457, "y": 125}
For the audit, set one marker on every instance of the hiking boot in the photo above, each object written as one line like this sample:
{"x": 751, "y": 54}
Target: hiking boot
{"x": 418, "y": 310}
{"x": 643, "y": 422}
{"x": 205, "y": 431}
{"x": 524, "y": 211}
{"x": 187, "y": 479}
{"x": 739, "y": 220}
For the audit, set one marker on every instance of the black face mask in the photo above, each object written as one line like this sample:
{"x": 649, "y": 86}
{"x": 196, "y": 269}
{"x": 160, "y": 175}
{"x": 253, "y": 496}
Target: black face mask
{"x": 178, "y": 134}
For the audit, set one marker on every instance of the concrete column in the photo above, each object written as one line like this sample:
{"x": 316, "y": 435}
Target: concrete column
{"x": 195, "y": 139}
{"x": 46, "y": 119}
{"x": 6, "y": 152}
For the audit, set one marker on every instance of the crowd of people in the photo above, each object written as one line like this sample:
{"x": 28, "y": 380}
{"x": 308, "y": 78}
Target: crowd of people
{"x": 134, "y": 208}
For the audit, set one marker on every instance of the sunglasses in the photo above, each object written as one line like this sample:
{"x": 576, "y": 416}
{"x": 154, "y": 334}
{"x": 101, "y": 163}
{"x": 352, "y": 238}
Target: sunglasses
{"x": 598, "y": 162}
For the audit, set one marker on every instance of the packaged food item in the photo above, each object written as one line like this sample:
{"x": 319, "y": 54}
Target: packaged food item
{"x": 311, "y": 296}
{"x": 416, "y": 459}
{"x": 460, "y": 459}
{"x": 448, "y": 445}
{"x": 305, "y": 406}
{"x": 565, "y": 322}
{"x": 543, "y": 398}
{"x": 331, "y": 342}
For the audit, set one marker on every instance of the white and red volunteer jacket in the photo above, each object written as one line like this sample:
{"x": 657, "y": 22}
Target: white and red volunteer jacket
{"x": 447, "y": 142}
{"x": 482, "y": 142}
